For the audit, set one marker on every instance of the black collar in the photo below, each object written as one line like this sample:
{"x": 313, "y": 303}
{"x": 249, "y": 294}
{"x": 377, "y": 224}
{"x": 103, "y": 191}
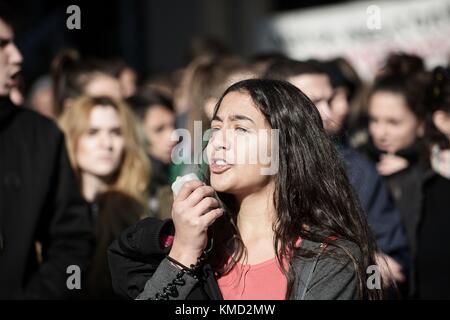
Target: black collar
{"x": 412, "y": 153}
{"x": 7, "y": 110}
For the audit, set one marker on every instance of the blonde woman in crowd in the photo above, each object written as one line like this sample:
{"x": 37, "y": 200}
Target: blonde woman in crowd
{"x": 107, "y": 156}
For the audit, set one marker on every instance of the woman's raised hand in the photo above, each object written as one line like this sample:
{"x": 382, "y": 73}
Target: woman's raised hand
{"x": 193, "y": 211}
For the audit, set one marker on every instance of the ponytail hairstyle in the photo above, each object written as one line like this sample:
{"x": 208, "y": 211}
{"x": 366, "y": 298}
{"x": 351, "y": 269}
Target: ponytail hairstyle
{"x": 404, "y": 74}
{"x": 71, "y": 74}
{"x": 402, "y": 63}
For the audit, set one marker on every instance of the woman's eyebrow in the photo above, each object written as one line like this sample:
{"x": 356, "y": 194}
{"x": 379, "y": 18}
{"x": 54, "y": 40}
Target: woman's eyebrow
{"x": 236, "y": 117}
{"x": 233, "y": 117}
{"x": 216, "y": 118}
{"x": 5, "y": 41}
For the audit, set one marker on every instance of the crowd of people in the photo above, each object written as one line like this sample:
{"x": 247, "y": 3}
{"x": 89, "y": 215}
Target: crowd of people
{"x": 363, "y": 178}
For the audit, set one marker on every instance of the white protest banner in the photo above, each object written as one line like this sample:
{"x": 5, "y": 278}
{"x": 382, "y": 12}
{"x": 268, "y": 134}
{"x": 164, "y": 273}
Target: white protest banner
{"x": 364, "y": 32}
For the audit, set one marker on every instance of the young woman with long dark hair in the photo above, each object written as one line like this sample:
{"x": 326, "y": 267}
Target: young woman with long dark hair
{"x": 296, "y": 234}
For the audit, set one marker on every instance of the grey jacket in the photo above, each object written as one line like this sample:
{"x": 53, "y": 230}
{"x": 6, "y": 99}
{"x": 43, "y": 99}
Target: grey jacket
{"x": 316, "y": 279}
{"x": 321, "y": 277}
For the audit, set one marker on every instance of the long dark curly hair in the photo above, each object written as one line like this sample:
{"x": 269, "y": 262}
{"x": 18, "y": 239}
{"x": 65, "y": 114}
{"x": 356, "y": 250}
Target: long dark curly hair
{"x": 311, "y": 188}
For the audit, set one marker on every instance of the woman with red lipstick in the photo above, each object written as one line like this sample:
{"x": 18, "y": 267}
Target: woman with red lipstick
{"x": 289, "y": 228}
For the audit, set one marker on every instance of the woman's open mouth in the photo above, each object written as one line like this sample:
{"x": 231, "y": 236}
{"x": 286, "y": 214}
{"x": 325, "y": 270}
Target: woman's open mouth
{"x": 219, "y": 166}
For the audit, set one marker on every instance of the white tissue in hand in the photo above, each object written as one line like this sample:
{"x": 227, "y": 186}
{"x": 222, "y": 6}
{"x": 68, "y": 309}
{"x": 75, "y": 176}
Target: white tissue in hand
{"x": 177, "y": 185}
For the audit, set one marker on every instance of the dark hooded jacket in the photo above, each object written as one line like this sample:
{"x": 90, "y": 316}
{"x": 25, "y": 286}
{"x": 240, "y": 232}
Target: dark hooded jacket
{"x": 40, "y": 203}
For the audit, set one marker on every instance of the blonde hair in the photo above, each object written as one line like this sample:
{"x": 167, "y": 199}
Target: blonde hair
{"x": 132, "y": 176}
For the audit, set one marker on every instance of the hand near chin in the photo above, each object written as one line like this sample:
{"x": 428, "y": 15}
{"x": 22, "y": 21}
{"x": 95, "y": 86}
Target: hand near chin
{"x": 390, "y": 164}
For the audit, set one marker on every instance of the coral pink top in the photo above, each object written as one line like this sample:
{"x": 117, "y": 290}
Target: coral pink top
{"x": 261, "y": 281}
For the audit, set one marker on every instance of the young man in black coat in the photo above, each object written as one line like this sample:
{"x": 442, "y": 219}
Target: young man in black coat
{"x": 39, "y": 197}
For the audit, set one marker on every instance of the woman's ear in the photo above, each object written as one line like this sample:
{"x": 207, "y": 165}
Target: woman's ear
{"x": 441, "y": 120}
{"x": 421, "y": 129}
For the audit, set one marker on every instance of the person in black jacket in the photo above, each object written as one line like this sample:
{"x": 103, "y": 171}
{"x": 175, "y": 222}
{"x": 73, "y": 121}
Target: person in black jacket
{"x": 432, "y": 261}
{"x": 39, "y": 197}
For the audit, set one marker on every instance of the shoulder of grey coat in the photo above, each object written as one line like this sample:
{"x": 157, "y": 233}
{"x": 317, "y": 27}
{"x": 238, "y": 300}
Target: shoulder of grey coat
{"x": 329, "y": 274}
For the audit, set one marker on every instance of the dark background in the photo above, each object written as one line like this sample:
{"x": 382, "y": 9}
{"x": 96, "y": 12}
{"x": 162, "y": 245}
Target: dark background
{"x": 150, "y": 35}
